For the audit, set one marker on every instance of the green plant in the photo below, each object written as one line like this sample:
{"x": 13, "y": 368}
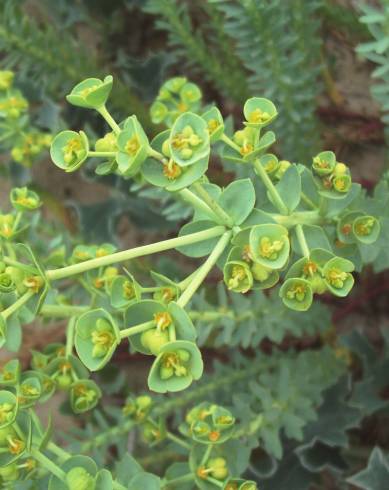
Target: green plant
{"x": 305, "y": 228}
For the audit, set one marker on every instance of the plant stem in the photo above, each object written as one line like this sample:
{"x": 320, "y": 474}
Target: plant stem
{"x": 199, "y": 204}
{"x": 276, "y": 198}
{"x": 308, "y": 201}
{"x": 299, "y": 217}
{"x": 48, "y": 464}
{"x": 204, "y": 269}
{"x": 102, "y": 154}
{"x": 58, "y": 451}
{"x": 178, "y": 440}
{"x": 302, "y": 241}
{"x": 110, "y": 120}
{"x": 180, "y": 479}
{"x": 218, "y": 483}
{"x": 19, "y": 265}
{"x": 206, "y": 455}
{"x": 142, "y": 327}
{"x": 62, "y": 311}
{"x": 18, "y": 304}
{"x": 155, "y": 154}
{"x": 70, "y": 336}
{"x": 133, "y": 253}
{"x": 228, "y": 141}
{"x": 211, "y": 202}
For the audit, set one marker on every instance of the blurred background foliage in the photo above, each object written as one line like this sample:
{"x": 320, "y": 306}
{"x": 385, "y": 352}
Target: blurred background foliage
{"x": 325, "y": 64}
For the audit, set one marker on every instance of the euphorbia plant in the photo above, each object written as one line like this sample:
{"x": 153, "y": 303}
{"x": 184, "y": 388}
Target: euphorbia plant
{"x": 303, "y": 228}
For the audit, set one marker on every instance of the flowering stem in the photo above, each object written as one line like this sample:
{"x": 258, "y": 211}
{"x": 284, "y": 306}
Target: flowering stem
{"x": 19, "y": 265}
{"x": 18, "y": 304}
{"x": 178, "y": 440}
{"x": 216, "y": 208}
{"x": 155, "y": 154}
{"x": 142, "y": 327}
{"x": 206, "y": 455}
{"x": 180, "y": 479}
{"x": 64, "y": 455}
{"x": 276, "y": 198}
{"x": 218, "y": 483}
{"x": 70, "y": 336}
{"x": 199, "y": 204}
{"x": 110, "y": 120}
{"x": 228, "y": 141}
{"x": 62, "y": 311}
{"x": 204, "y": 269}
{"x": 48, "y": 464}
{"x": 102, "y": 154}
{"x": 302, "y": 241}
{"x": 299, "y": 217}
{"x": 133, "y": 253}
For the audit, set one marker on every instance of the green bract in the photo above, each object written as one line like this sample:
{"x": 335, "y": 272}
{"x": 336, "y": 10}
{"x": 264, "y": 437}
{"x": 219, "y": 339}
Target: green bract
{"x": 124, "y": 290}
{"x": 23, "y": 199}
{"x": 133, "y": 146}
{"x": 6, "y": 79}
{"x": 91, "y": 93}
{"x": 97, "y": 337}
{"x": 169, "y": 174}
{"x": 176, "y": 96}
{"x": 69, "y": 150}
{"x": 269, "y": 245}
{"x": 324, "y": 163}
{"x": 215, "y": 123}
{"x": 337, "y": 276}
{"x": 8, "y": 408}
{"x": 297, "y": 294}
{"x": 84, "y": 395}
{"x": 177, "y": 365}
{"x": 238, "y": 276}
{"x": 259, "y": 112}
{"x": 366, "y": 229}
{"x": 189, "y": 139}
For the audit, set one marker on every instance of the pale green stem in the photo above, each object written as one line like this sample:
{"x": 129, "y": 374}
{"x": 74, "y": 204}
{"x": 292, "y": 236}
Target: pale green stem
{"x": 172, "y": 333}
{"x": 19, "y": 265}
{"x": 142, "y": 327}
{"x": 101, "y": 154}
{"x": 58, "y": 451}
{"x": 299, "y": 217}
{"x": 180, "y": 479}
{"x": 110, "y": 120}
{"x": 70, "y": 336}
{"x": 302, "y": 241}
{"x": 18, "y": 304}
{"x": 155, "y": 154}
{"x": 62, "y": 311}
{"x": 133, "y": 253}
{"x": 228, "y": 141}
{"x": 199, "y": 204}
{"x": 218, "y": 483}
{"x": 206, "y": 455}
{"x": 204, "y": 270}
{"x": 18, "y": 217}
{"x": 178, "y": 441}
{"x": 10, "y": 250}
{"x": 48, "y": 464}
{"x": 211, "y": 202}
{"x": 276, "y": 198}
{"x": 308, "y": 201}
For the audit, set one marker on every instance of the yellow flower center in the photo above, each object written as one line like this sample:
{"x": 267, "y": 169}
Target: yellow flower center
{"x": 258, "y": 116}
{"x": 132, "y": 145}
{"x": 162, "y": 320}
{"x": 171, "y": 170}
{"x": 336, "y": 277}
{"x": 270, "y": 249}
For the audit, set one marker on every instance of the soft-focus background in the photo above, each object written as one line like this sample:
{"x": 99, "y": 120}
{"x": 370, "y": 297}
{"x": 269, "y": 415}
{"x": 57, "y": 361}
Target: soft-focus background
{"x": 324, "y": 63}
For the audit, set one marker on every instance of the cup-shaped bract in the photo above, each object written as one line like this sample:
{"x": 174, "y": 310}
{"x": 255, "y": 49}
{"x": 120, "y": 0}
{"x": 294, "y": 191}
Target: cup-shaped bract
{"x": 189, "y": 139}
{"x": 237, "y": 276}
{"x": 6, "y": 79}
{"x": 176, "y": 366}
{"x": 80, "y": 473}
{"x": 137, "y": 408}
{"x": 107, "y": 143}
{"x": 324, "y": 163}
{"x": 97, "y": 336}
{"x": 10, "y": 373}
{"x": 124, "y": 291}
{"x": 297, "y": 294}
{"x": 366, "y": 229}
{"x": 8, "y": 408}
{"x": 269, "y": 245}
{"x": 215, "y": 123}
{"x": 270, "y": 163}
{"x": 259, "y": 112}
{"x": 91, "y": 93}
{"x": 215, "y": 425}
{"x": 84, "y": 395}
{"x": 7, "y": 283}
{"x": 344, "y": 227}
{"x": 12, "y": 104}
{"x": 69, "y": 150}
{"x": 133, "y": 146}
{"x": 23, "y": 199}
{"x": 169, "y": 174}
{"x": 338, "y": 277}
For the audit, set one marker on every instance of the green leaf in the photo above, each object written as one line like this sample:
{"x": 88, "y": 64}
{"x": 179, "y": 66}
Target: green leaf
{"x": 376, "y": 475}
{"x": 289, "y": 188}
{"x": 238, "y": 200}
